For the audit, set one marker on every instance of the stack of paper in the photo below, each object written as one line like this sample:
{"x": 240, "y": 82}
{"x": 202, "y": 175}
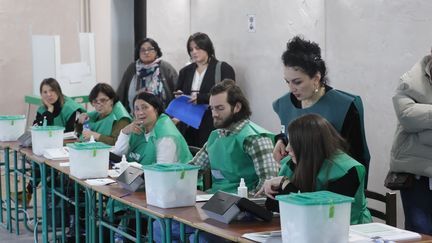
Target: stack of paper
{"x": 381, "y": 231}
{"x": 57, "y": 153}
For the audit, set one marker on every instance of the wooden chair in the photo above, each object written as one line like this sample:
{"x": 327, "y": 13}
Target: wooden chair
{"x": 389, "y": 199}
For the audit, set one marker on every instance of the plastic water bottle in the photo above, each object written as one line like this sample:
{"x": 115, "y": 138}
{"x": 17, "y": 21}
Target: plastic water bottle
{"x": 86, "y": 125}
{"x": 242, "y": 190}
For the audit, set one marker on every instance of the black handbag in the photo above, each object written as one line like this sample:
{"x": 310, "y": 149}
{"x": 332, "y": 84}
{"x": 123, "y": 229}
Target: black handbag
{"x": 398, "y": 180}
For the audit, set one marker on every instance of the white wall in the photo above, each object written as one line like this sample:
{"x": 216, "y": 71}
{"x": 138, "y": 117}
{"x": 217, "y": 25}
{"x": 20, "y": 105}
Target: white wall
{"x": 100, "y": 25}
{"x": 168, "y": 23}
{"x": 370, "y": 44}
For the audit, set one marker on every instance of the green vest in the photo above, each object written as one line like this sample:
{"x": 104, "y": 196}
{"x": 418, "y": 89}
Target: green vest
{"x": 144, "y": 151}
{"x": 229, "y": 162}
{"x": 104, "y": 126}
{"x": 68, "y": 109}
{"x": 333, "y": 170}
{"x": 333, "y": 106}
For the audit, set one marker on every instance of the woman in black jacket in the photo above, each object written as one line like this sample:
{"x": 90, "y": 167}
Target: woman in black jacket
{"x": 196, "y": 80}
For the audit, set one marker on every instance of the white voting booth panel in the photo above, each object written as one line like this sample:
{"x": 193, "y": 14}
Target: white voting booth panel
{"x": 76, "y": 79}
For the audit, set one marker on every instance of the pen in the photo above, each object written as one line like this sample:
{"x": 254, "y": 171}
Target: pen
{"x": 124, "y": 195}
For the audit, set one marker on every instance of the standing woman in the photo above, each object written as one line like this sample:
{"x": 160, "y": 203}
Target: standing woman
{"x": 148, "y": 73}
{"x": 196, "y": 80}
{"x": 108, "y": 118}
{"x": 305, "y": 74}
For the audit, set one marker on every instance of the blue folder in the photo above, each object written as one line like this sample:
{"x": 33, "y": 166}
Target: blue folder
{"x": 187, "y": 112}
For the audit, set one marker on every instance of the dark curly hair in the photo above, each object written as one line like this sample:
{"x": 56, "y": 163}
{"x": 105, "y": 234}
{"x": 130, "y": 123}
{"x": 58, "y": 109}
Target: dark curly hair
{"x": 305, "y": 55}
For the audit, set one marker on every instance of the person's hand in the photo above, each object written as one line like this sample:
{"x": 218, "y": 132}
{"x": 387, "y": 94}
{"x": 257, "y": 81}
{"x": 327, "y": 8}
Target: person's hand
{"x": 82, "y": 118}
{"x": 193, "y": 99}
{"x": 175, "y": 120}
{"x": 279, "y": 151}
{"x": 270, "y": 187}
{"x": 49, "y": 106}
{"x": 134, "y": 127}
{"x": 177, "y": 93}
{"x": 87, "y": 135}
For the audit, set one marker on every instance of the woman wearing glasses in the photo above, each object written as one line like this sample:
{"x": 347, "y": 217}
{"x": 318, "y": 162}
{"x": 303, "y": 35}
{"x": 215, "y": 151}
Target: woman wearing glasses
{"x": 108, "y": 118}
{"x": 305, "y": 75}
{"x": 196, "y": 80}
{"x": 148, "y": 73}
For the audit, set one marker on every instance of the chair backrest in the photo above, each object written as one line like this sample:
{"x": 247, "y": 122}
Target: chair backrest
{"x": 389, "y": 199}
{"x": 204, "y": 179}
{"x": 194, "y": 150}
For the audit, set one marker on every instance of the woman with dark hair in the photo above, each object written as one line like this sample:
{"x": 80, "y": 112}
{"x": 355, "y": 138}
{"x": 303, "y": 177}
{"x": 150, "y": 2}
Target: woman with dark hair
{"x": 108, "y": 118}
{"x": 196, "y": 80}
{"x": 56, "y": 108}
{"x": 316, "y": 161}
{"x": 148, "y": 73}
{"x": 305, "y": 74}
{"x": 152, "y": 137}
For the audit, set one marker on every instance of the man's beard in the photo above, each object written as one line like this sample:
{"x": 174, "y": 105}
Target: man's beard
{"x": 231, "y": 119}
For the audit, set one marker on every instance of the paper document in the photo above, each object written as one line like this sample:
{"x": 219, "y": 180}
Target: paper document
{"x": 69, "y": 135}
{"x": 113, "y": 173}
{"x": 203, "y": 197}
{"x": 99, "y": 182}
{"x": 382, "y": 231}
{"x": 187, "y": 112}
{"x": 267, "y": 236}
{"x": 57, "y": 153}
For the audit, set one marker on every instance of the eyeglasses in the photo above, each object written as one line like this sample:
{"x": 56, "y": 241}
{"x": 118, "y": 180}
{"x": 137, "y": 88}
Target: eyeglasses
{"x": 142, "y": 50}
{"x": 101, "y": 101}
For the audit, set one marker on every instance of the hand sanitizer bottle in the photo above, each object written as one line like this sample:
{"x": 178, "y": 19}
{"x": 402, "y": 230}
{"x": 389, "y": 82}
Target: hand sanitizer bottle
{"x": 123, "y": 165}
{"x": 242, "y": 190}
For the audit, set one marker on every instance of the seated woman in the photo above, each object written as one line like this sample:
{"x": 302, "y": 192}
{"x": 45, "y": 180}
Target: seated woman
{"x": 58, "y": 110}
{"x": 152, "y": 134}
{"x": 151, "y": 138}
{"x": 317, "y": 161}
{"x": 108, "y": 118}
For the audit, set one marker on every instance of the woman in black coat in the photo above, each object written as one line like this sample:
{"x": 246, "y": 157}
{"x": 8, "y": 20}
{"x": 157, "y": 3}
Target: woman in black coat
{"x": 196, "y": 80}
